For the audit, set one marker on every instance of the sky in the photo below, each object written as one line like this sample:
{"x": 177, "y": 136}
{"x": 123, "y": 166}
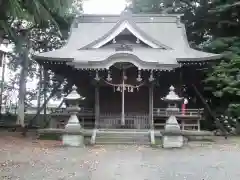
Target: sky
{"x": 104, "y": 6}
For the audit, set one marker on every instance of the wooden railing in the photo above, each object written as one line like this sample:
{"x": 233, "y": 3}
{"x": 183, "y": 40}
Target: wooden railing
{"x": 50, "y": 110}
{"x": 132, "y": 120}
{"x": 157, "y": 112}
{"x": 187, "y": 113}
{"x": 64, "y": 110}
{"x": 193, "y": 126}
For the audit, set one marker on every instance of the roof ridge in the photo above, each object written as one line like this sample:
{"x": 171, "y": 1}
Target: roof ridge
{"x": 130, "y": 14}
{"x": 131, "y": 23}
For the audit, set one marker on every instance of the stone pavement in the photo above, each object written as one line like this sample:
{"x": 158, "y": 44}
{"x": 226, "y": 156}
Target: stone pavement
{"x": 26, "y": 161}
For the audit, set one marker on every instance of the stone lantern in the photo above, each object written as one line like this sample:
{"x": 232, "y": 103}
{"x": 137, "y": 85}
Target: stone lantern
{"x": 173, "y": 101}
{"x": 172, "y": 137}
{"x": 73, "y": 136}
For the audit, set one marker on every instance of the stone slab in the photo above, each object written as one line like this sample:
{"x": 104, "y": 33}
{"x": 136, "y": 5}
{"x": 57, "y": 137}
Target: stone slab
{"x": 73, "y": 140}
{"x": 173, "y": 141}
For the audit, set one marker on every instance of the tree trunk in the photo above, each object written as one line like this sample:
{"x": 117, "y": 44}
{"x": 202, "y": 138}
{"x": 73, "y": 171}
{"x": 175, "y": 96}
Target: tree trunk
{"x": 1, "y": 36}
{"x": 39, "y": 92}
{"x": 22, "y": 89}
{"x": 45, "y": 95}
{"x": 218, "y": 123}
{"x": 2, "y": 84}
{"x": 55, "y": 89}
{"x": 47, "y": 122}
{"x": 2, "y": 58}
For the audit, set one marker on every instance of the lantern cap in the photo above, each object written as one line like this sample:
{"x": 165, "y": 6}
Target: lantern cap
{"x": 172, "y": 96}
{"x": 74, "y": 95}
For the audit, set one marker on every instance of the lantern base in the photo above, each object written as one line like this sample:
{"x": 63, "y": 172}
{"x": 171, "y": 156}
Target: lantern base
{"x": 73, "y": 140}
{"x": 172, "y": 141}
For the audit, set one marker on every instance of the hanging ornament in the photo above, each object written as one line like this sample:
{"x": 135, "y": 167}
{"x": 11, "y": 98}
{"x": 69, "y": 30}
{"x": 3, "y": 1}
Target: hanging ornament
{"x": 132, "y": 89}
{"x": 97, "y": 78}
{"x": 138, "y": 41}
{"x": 109, "y": 78}
{"x": 139, "y": 78}
{"x": 137, "y": 88}
{"x": 151, "y": 78}
{"x": 114, "y": 89}
{"x": 118, "y": 89}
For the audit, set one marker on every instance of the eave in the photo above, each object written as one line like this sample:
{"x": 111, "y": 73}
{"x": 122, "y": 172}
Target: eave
{"x": 209, "y": 57}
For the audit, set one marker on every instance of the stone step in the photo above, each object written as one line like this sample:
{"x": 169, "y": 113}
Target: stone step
{"x": 122, "y": 141}
{"x": 123, "y": 130}
{"x": 122, "y": 137}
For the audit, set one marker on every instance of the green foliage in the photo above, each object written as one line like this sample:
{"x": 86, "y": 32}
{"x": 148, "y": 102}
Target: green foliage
{"x": 36, "y": 12}
{"x": 224, "y": 79}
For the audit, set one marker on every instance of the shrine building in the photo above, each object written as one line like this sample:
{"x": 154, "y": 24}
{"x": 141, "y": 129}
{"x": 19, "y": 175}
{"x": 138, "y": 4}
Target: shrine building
{"x": 124, "y": 64}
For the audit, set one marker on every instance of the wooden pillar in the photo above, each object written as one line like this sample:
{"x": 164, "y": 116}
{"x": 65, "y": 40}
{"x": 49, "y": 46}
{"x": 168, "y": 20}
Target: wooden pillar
{"x": 183, "y": 125}
{"x": 123, "y": 105}
{"x": 123, "y": 99}
{"x": 97, "y": 107}
{"x": 199, "y": 127}
{"x": 151, "y": 106}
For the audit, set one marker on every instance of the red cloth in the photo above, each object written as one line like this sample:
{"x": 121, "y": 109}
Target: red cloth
{"x": 183, "y": 109}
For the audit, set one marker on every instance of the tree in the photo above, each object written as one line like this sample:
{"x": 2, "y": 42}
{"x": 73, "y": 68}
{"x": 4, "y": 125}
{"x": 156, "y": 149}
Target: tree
{"x": 19, "y": 20}
{"x": 37, "y": 12}
{"x": 224, "y": 79}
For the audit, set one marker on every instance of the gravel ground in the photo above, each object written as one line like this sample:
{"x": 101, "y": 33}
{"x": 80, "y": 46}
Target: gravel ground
{"x": 25, "y": 159}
